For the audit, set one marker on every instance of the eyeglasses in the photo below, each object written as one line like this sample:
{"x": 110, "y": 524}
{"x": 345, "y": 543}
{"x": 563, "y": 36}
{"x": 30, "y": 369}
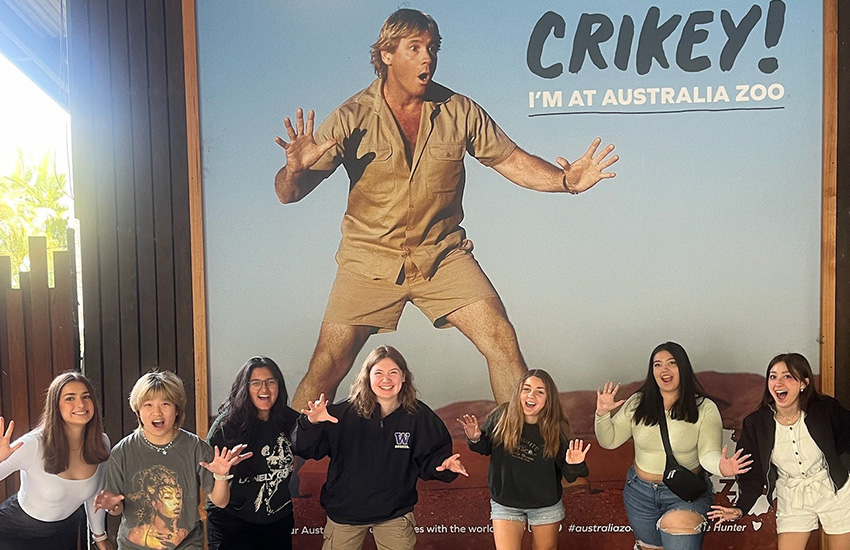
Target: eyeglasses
{"x": 271, "y": 384}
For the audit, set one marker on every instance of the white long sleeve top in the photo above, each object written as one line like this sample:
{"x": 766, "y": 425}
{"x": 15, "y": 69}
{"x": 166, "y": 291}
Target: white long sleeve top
{"x": 48, "y": 497}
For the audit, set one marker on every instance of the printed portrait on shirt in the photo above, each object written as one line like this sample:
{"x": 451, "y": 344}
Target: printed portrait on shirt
{"x": 278, "y": 458}
{"x": 159, "y": 503}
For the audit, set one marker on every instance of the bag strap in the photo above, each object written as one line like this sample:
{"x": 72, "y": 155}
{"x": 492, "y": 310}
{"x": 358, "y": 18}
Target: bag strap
{"x": 665, "y": 438}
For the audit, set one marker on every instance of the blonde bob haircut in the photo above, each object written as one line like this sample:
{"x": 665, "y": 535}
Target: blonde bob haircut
{"x": 164, "y": 385}
{"x": 404, "y": 23}
{"x": 364, "y": 399}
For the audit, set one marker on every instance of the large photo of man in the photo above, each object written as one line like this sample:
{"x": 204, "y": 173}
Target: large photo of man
{"x": 402, "y": 142}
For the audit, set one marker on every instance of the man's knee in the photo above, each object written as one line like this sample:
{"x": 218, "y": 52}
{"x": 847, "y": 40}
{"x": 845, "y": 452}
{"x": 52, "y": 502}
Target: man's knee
{"x": 681, "y": 522}
{"x": 486, "y": 323}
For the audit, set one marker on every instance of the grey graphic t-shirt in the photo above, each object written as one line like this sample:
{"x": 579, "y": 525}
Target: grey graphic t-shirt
{"x": 161, "y": 487}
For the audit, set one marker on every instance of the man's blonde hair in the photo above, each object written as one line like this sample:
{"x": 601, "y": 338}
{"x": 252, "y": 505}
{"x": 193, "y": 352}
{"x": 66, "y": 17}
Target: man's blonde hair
{"x": 403, "y": 23}
{"x": 162, "y": 384}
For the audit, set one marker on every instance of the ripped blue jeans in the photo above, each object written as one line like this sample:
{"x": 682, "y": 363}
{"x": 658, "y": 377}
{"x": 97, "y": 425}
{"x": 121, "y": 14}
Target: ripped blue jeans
{"x": 647, "y": 502}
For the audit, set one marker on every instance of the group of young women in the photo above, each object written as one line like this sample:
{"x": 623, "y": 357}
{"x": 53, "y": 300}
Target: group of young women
{"x": 382, "y": 439}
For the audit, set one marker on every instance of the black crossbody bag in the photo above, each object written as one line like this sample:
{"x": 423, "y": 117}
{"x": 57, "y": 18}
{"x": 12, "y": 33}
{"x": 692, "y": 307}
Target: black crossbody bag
{"x": 684, "y": 483}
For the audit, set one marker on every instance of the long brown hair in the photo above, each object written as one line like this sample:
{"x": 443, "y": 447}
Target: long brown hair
{"x": 553, "y": 423}
{"x": 57, "y": 450}
{"x": 363, "y": 398}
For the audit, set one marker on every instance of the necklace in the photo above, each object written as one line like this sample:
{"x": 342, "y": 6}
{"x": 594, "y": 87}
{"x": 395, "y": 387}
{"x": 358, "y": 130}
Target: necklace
{"x": 163, "y": 449}
{"x": 788, "y": 420}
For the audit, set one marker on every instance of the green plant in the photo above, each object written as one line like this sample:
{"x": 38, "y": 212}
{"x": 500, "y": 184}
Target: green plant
{"x": 33, "y": 201}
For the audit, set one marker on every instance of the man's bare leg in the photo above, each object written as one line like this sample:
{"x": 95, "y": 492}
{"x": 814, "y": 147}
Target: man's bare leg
{"x": 486, "y": 324}
{"x": 335, "y": 352}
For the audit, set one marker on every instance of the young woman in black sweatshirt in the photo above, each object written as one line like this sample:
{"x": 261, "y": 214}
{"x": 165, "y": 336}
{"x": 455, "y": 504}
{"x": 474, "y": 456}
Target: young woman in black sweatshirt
{"x": 380, "y": 442}
{"x": 528, "y": 440}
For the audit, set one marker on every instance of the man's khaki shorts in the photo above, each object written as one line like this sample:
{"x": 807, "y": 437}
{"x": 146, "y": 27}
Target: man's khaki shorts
{"x": 358, "y": 300}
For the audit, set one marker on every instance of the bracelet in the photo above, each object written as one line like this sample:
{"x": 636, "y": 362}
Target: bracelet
{"x": 99, "y": 538}
{"x": 222, "y": 477}
{"x": 567, "y": 189}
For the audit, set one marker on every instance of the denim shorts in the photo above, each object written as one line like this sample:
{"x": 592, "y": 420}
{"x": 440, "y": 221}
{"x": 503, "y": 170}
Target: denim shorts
{"x": 646, "y": 502}
{"x": 534, "y": 516}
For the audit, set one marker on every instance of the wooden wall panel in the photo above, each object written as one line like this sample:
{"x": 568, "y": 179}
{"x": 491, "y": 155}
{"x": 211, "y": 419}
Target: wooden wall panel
{"x": 130, "y": 171}
{"x": 37, "y": 328}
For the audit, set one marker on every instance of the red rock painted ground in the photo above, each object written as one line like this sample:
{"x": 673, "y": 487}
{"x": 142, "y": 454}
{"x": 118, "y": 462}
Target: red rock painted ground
{"x": 456, "y": 516}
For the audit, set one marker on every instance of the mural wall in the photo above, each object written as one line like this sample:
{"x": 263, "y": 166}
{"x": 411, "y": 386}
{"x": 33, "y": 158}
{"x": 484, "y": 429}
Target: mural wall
{"x": 708, "y": 236}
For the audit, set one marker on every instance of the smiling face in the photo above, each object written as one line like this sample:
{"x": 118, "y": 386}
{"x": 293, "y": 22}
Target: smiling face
{"x": 75, "y": 404}
{"x": 784, "y": 388}
{"x": 157, "y": 416}
{"x": 411, "y": 66}
{"x": 263, "y": 390}
{"x": 386, "y": 380}
{"x": 532, "y": 396}
{"x": 665, "y": 370}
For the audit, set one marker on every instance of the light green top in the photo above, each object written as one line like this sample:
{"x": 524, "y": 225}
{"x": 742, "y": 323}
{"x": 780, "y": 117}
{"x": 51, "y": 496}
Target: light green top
{"x": 693, "y": 444}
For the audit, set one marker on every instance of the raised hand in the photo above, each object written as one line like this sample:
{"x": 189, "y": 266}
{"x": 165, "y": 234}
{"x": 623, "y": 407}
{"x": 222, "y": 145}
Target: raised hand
{"x": 577, "y": 451}
{"x": 735, "y": 464}
{"x": 453, "y": 464}
{"x": 470, "y": 427}
{"x": 606, "y": 399}
{"x": 225, "y": 459}
{"x": 110, "y": 502}
{"x": 724, "y": 513}
{"x": 302, "y": 151}
{"x": 588, "y": 170}
{"x": 317, "y": 411}
{"x": 6, "y": 447}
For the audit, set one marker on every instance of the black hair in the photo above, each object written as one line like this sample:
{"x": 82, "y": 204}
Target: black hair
{"x": 651, "y": 405}
{"x": 240, "y": 414}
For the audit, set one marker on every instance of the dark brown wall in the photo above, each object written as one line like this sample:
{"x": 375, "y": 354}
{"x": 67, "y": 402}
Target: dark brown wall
{"x": 131, "y": 181}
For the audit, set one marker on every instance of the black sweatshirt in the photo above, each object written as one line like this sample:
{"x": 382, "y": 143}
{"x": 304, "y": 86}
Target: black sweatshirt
{"x": 375, "y": 462}
{"x": 526, "y": 478}
{"x": 259, "y": 490}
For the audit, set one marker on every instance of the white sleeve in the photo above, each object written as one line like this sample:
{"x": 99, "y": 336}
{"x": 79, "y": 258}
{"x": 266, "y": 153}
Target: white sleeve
{"x": 22, "y": 458}
{"x": 97, "y": 519}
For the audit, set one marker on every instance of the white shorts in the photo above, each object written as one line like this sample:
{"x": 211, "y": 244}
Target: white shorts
{"x": 833, "y": 512}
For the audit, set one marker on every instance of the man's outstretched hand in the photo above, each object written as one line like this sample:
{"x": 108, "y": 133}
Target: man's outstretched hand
{"x": 589, "y": 169}
{"x": 302, "y": 151}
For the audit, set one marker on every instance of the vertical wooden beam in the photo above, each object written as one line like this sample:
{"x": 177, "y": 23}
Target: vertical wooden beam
{"x": 38, "y": 326}
{"x": 199, "y": 298}
{"x": 62, "y": 305}
{"x": 828, "y": 199}
{"x": 83, "y": 108}
{"x": 181, "y": 224}
{"x": 18, "y": 408}
{"x": 7, "y": 487}
{"x": 161, "y": 172}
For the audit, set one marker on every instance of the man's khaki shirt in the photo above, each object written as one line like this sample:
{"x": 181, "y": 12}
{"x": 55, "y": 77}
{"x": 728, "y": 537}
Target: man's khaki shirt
{"x": 396, "y": 210}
